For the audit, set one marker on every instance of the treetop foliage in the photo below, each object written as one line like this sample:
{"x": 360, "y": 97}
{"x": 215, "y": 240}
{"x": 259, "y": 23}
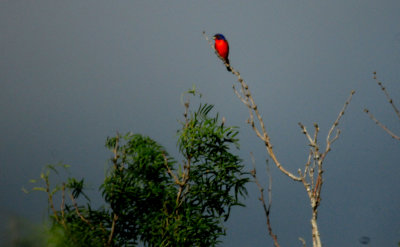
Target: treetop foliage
{"x": 151, "y": 198}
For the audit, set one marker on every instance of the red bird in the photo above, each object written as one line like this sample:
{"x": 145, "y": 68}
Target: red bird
{"x": 222, "y": 47}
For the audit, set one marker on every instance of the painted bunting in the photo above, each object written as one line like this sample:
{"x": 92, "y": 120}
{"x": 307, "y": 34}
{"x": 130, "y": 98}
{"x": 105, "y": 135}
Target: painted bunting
{"x": 222, "y": 47}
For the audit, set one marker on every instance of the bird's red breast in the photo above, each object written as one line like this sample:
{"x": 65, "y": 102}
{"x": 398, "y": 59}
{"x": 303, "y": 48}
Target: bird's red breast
{"x": 222, "y": 48}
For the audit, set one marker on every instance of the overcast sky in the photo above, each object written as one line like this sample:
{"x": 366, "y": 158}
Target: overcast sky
{"x": 74, "y": 72}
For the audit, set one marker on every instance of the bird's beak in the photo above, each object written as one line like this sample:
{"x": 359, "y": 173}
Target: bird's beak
{"x": 213, "y": 37}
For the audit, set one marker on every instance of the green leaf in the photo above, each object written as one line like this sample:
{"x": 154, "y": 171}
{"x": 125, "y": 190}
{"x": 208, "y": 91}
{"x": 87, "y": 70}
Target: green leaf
{"x": 39, "y": 189}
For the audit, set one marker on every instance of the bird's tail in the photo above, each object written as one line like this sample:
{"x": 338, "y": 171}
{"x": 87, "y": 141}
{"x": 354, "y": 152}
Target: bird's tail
{"x": 228, "y": 67}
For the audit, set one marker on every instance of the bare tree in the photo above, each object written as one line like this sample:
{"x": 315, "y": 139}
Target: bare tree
{"x": 311, "y": 176}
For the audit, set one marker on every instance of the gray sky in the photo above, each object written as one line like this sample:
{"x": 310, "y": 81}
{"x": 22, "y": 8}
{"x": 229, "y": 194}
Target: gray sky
{"x": 74, "y": 72}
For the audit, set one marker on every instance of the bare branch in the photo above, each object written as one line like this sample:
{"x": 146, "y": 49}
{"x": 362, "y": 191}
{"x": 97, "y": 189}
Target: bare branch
{"x": 393, "y": 135}
{"x": 248, "y": 100}
{"x": 329, "y": 141}
{"x": 314, "y": 161}
{"x": 396, "y": 110}
{"x": 390, "y": 100}
{"x": 315, "y": 196}
{"x": 240, "y": 97}
{"x": 261, "y": 198}
{"x": 305, "y": 132}
{"x": 303, "y": 242}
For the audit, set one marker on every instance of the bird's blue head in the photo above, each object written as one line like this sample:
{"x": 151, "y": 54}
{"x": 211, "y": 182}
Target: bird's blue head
{"x": 219, "y": 36}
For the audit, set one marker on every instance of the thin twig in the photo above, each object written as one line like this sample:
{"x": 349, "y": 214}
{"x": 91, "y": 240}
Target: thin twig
{"x": 393, "y": 135}
{"x": 396, "y": 110}
{"x": 261, "y": 198}
{"x": 329, "y": 141}
{"x": 390, "y": 100}
{"x": 303, "y": 242}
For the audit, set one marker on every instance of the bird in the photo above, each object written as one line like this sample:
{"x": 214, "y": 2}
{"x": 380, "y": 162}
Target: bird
{"x": 222, "y": 47}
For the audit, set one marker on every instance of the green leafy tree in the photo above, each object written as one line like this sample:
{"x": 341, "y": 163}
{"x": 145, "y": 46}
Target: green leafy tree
{"x": 152, "y": 199}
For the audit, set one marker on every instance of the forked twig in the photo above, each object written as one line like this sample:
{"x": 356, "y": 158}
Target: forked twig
{"x": 317, "y": 158}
